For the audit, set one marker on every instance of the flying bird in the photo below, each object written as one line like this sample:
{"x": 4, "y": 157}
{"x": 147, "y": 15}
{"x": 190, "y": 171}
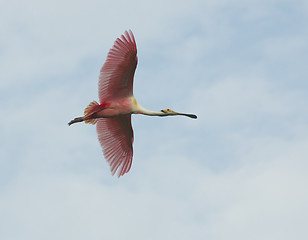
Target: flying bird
{"x": 117, "y": 103}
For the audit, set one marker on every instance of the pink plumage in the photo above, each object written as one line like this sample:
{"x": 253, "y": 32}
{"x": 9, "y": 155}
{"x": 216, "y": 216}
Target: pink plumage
{"x": 117, "y": 74}
{"x": 116, "y": 82}
{"x": 116, "y": 138}
{"x": 117, "y": 103}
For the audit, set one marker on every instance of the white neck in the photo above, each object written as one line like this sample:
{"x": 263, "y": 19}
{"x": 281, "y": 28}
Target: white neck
{"x": 144, "y": 111}
{"x": 138, "y": 109}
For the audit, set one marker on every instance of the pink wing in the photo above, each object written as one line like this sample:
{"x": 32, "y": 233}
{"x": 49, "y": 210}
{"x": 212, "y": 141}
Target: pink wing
{"x": 116, "y": 138}
{"x": 117, "y": 74}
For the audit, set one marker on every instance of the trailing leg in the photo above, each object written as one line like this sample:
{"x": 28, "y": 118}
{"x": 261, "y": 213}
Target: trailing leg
{"x": 76, "y": 120}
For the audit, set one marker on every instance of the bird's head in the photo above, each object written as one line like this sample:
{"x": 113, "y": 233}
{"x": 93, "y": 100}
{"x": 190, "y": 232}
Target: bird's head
{"x": 168, "y": 112}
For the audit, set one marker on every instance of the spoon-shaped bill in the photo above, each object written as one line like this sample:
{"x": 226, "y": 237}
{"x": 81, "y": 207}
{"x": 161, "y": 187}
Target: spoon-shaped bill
{"x": 188, "y": 115}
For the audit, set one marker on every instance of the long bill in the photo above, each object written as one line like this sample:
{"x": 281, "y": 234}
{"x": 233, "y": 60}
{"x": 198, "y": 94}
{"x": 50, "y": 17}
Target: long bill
{"x": 187, "y": 115}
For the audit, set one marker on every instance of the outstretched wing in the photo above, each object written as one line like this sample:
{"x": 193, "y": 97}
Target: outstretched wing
{"x": 116, "y": 138}
{"x": 117, "y": 74}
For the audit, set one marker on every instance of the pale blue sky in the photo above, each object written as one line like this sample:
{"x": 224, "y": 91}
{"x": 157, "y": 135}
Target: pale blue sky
{"x": 237, "y": 172}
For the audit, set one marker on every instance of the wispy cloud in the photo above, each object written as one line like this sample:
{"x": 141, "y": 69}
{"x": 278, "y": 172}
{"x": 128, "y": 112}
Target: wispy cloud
{"x": 238, "y": 171}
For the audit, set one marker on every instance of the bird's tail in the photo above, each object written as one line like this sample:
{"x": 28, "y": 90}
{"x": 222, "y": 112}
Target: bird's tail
{"x": 90, "y": 109}
{"x": 88, "y": 114}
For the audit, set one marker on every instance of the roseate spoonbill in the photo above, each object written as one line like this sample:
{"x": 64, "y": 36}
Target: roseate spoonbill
{"x": 117, "y": 103}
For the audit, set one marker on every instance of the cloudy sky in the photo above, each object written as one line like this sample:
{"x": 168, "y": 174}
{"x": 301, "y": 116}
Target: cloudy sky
{"x": 238, "y": 172}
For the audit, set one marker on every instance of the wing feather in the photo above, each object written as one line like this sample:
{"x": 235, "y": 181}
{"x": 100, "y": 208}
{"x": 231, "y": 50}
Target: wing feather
{"x": 117, "y": 74}
{"x": 116, "y": 138}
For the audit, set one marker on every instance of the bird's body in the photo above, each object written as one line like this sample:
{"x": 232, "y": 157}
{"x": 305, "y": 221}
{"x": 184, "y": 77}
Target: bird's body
{"x": 116, "y": 107}
{"x": 117, "y": 102}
